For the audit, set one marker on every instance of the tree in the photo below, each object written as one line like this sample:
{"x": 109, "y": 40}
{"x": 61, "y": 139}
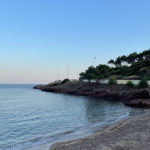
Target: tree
{"x": 65, "y": 81}
{"x": 146, "y": 55}
{"x": 118, "y": 62}
{"x": 82, "y": 76}
{"x": 130, "y": 84}
{"x": 112, "y": 81}
{"x": 112, "y": 62}
{"x": 103, "y": 70}
{"x": 124, "y": 60}
{"x": 90, "y": 73}
{"x": 132, "y": 58}
{"x": 143, "y": 83}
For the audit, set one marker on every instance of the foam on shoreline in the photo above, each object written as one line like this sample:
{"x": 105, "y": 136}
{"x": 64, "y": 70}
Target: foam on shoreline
{"x": 87, "y": 133}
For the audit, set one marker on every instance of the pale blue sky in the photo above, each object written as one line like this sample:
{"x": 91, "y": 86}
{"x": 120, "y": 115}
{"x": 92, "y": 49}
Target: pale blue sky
{"x": 39, "y": 36}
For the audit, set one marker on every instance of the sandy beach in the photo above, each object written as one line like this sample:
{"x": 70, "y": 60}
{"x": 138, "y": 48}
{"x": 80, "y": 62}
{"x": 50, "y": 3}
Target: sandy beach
{"x": 130, "y": 134}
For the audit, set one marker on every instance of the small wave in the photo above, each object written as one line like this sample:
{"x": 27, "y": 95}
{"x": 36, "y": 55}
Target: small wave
{"x": 62, "y": 136}
{"x": 38, "y": 141}
{"x": 123, "y": 116}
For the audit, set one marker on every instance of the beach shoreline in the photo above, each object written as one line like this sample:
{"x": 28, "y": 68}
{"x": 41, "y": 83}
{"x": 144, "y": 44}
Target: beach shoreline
{"x": 128, "y": 134}
{"x": 59, "y": 144}
{"x": 86, "y": 133}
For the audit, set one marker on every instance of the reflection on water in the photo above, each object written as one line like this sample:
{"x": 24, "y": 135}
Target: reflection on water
{"x": 30, "y": 117}
{"x": 104, "y": 111}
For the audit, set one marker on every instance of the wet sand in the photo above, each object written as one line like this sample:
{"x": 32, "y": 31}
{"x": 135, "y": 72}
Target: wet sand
{"x": 130, "y": 134}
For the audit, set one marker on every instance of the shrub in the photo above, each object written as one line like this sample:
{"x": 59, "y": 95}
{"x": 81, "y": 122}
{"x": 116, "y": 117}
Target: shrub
{"x": 65, "y": 81}
{"x": 143, "y": 83}
{"x": 112, "y": 81}
{"x": 130, "y": 84}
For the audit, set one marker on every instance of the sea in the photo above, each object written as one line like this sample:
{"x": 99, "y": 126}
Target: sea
{"x": 31, "y": 118}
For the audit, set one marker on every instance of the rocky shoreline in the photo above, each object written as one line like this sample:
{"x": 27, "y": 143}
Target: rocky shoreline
{"x": 129, "y": 96}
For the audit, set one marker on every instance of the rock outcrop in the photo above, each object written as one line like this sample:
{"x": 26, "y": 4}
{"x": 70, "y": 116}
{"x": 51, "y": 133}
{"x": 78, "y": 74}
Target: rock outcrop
{"x": 141, "y": 103}
{"x": 129, "y": 96}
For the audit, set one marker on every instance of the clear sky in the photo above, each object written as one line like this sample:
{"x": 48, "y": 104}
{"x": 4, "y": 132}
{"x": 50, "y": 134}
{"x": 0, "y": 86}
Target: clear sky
{"x": 40, "y": 37}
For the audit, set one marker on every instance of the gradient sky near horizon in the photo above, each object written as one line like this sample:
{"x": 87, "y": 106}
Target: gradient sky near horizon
{"x": 40, "y": 37}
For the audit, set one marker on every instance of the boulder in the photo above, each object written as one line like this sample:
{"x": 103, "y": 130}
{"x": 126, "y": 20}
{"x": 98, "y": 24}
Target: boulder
{"x": 140, "y": 103}
{"x": 135, "y": 94}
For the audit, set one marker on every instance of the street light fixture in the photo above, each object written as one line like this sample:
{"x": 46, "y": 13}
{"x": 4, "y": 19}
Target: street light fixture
{"x": 94, "y": 61}
{"x": 58, "y": 74}
{"x": 68, "y": 71}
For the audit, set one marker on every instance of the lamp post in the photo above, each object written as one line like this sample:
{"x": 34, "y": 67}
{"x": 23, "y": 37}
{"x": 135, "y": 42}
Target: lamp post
{"x": 68, "y": 71}
{"x": 94, "y": 61}
{"x": 58, "y": 72}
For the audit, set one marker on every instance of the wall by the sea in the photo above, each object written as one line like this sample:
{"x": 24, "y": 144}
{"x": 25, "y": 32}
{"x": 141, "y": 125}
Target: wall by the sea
{"x": 118, "y": 81}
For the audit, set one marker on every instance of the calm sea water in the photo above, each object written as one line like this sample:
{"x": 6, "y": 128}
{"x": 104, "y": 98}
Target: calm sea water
{"x": 30, "y": 117}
